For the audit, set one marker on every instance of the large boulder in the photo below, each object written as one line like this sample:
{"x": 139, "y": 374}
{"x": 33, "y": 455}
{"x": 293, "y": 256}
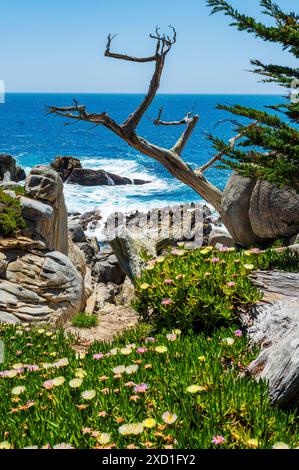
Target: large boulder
{"x": 129, "y": 248}
{"x": 274, "y": 212}
{"x": 273, "y": 324}
{"x": 9, "y": 170}
{"x": 256, "y": 212}
{"x": 44, "y": 210}
{"x": 39, "y": 286}
{"x": 65, "y": 165}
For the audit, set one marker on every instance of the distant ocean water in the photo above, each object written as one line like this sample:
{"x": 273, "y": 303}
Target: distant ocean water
{"x": 32, "y": 137}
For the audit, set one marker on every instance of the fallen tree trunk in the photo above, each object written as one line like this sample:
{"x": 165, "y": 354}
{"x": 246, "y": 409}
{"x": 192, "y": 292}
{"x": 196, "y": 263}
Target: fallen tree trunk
{"x": 273, "y": 323}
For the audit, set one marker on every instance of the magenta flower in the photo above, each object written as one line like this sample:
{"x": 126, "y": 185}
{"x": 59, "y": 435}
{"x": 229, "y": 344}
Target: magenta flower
{"x": 140, "y": 388}
{"x": 141, "y": 350}
{"x": 166, "y": 302}
{"x": 168, "y": 281}
{"x": 215, "y": 260}
{"x": 98, "y": 356}
{"x": 231, "y": 284}
{"x": 238, "y": 333}
{"x": 149, "y": 339}
{"x": 218, "y": 440}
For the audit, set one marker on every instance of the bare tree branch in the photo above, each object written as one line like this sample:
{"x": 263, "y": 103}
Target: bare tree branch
{"x": 169, "y": 158}
{"x": 159, "y": 122}
{"x": 191, "y": 123}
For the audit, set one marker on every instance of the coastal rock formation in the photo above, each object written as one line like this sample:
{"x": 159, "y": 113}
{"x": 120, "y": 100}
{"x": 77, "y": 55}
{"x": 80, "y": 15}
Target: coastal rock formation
{"x": 135, "y": 234}
{"x": 9, "y": 170}
{"x": 220, "y": 235}
{"x": 71, "y": 172}
{"x": 39, "y": 286}
{"x": 257, "y": 211}
{"x": 44, "y": 209}
{"x": 38, "y": 282}
{"x": 65, "y": 165}
{"x": 273, "y": 323}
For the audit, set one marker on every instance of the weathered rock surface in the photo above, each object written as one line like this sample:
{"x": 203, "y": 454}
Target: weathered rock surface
{"x": 44, "y": 210}
{"x": 76, "y": 232}
{"x": 220, "y": 235}
{"x": 135, "y": 234}
{"x": 257, "y": 211}
{"x": 274, "y": 324}
{"x": 274, "y": 212}
{"x": 9, "y": 170}
{"x": 40, "y": 287}
{"x": 65, "y": 165}
{"x": 128, "y": 250}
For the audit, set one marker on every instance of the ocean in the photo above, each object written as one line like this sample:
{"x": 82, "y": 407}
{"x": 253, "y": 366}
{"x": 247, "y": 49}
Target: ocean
{"x": 33, "y": 138}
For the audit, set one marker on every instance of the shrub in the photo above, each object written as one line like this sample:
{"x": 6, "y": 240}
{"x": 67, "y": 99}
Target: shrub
{"x": 11, "y": 219}
{"x": 19, "y": 190}
{"x": 82, "y": 320}
{"x": 193, "y": 378}
{"x": 203, "y": 289}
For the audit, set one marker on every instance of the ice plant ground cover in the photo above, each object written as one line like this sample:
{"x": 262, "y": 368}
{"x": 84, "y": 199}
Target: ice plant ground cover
{"x": 203, "y": 289}
{"x": 145, "y": 390}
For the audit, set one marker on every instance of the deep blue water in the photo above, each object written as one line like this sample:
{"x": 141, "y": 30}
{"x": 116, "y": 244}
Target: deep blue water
{"x": 32, "y": 137}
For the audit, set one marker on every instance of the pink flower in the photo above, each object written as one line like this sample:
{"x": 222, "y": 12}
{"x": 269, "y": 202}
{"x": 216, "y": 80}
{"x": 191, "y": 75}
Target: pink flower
{"x": 166, "y": 302}
{"x": 151, "y": 262}
{"x": 231, "y": 284}
{"x": 98, "y": 356}
{"x": 168, "y": 281}
{"x": 238, "y": 333}
{"x": 140, "y": 388}
{"x": 255, "y": 250}
{"x": 18, "y": 353}
{"x": 218, "y": 440}
{"x": 141, "y": 350}
{"x": 86, "y": 430}
{"x": 215, "y": 260}
{"x": 149, "y": 339}
{"x": 48, "y": 384}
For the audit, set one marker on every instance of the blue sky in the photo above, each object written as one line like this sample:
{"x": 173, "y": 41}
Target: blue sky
{"x": 58, "y": 46}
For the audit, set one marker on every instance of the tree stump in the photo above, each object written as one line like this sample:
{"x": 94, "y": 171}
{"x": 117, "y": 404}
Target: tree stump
{"x": 273, "y": 323}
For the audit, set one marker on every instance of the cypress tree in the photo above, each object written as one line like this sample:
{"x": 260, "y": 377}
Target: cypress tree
{"x": 269, "y": 148}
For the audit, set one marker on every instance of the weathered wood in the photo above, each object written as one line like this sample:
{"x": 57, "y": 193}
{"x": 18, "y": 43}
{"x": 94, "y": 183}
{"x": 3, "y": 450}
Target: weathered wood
{"x": 273, "y": 323}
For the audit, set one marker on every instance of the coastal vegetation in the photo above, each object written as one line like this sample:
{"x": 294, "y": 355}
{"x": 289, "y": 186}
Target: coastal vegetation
{"x": 152, "y": 387}
{"x": 203, "y": 289}
{"x": 82, "y": 320}
{"x": 11, "y": 219}
{"x": 147, "y": 389}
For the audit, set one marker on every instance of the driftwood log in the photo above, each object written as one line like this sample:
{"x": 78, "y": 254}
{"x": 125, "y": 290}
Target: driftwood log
{"x": 273, "y": 323}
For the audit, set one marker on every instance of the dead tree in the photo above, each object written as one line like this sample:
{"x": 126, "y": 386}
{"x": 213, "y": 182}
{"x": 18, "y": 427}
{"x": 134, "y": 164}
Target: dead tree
{"x": 169, "y": 158}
